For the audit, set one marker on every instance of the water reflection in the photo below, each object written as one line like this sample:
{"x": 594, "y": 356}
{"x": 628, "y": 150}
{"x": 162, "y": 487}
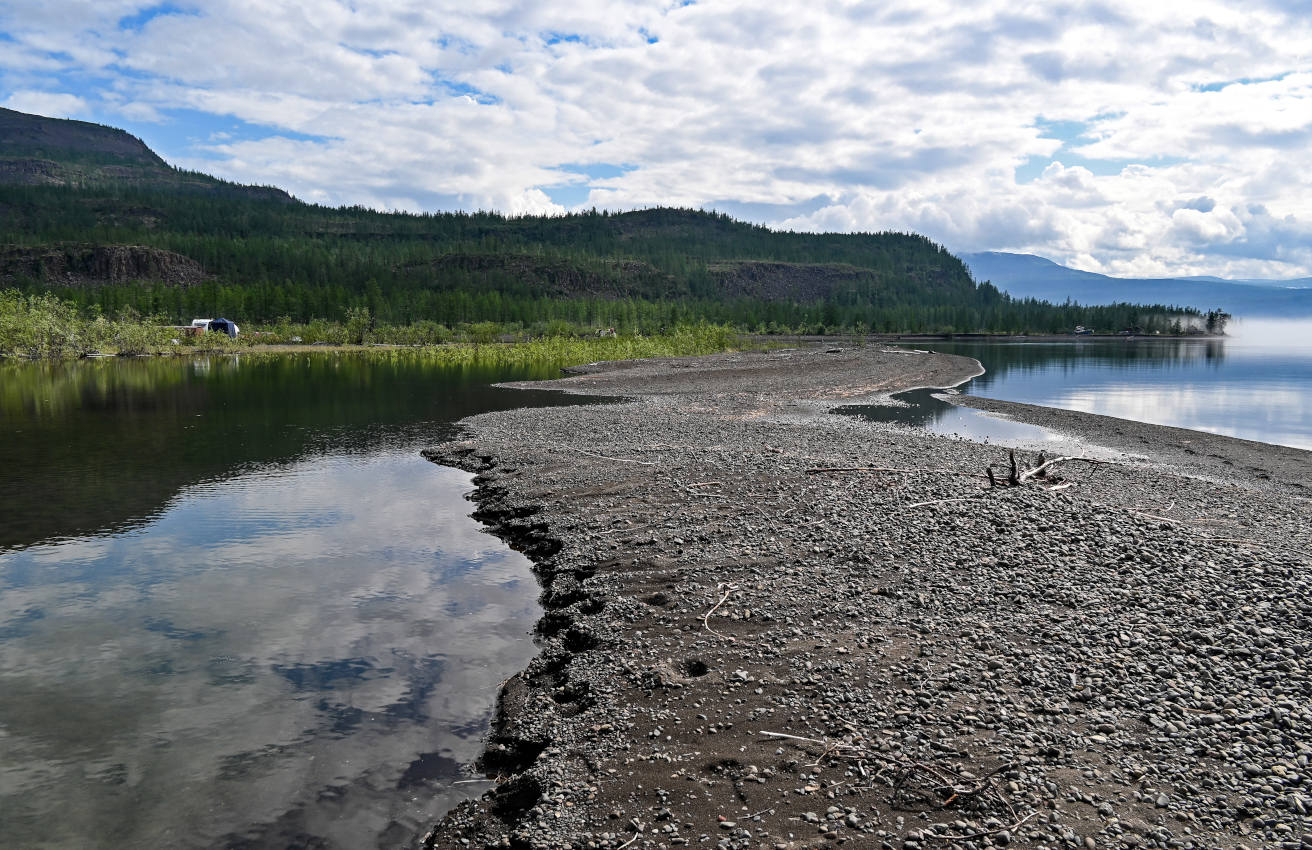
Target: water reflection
{"x": 1243, "y": 387}
{"x": 237, "y": 609}
{"x": 89, "y": 446}
{"x": 921, "y": 409}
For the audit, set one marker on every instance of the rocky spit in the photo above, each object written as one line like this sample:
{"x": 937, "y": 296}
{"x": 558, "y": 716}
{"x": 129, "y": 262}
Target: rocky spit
{"x": 767, "y": 626}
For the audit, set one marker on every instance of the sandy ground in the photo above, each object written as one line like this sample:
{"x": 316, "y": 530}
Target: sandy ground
{"x": 768, "y": 626}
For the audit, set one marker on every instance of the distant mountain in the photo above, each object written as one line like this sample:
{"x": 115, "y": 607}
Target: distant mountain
{"x": 1288, "y": 283}
{"x": 40, "y": 151}
{"x": 1028, "y": 276}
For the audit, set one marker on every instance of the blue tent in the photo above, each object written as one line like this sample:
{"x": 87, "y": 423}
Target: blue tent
{"x": 224, "y": 325}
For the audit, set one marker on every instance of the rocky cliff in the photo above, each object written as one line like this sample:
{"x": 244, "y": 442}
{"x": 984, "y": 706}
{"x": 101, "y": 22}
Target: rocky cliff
{"x": 97, "y": 265}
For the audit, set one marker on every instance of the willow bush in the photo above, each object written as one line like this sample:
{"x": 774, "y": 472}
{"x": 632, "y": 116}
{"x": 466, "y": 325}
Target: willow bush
{"x": 47, "y": 327}
{"x": 43, "y": 326}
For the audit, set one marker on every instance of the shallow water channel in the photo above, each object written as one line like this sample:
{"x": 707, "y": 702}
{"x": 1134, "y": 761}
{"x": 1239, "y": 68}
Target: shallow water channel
{"x": 238, "y": 609}
{"x": 925, "y": 409}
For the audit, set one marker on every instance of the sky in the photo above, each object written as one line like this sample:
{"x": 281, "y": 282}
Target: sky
{"x": 1128, "y": 138}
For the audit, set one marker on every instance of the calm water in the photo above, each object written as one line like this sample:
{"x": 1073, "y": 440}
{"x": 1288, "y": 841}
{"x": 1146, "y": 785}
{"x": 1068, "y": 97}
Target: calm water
{"x": 237, "y": 609}
{"x": 920, "y": 409}
{"x": 1257, "y": 384}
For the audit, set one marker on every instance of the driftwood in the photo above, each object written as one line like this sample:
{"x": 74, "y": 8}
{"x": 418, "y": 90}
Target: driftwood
{"x": 1039, "y": 473}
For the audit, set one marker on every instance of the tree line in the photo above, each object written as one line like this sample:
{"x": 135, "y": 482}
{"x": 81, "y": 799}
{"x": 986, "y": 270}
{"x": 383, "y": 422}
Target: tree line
{"x": 269, "y": 260}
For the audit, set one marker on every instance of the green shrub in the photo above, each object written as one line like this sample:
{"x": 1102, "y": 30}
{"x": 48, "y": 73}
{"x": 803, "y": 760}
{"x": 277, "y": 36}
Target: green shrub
{"x": 43, "y": 326}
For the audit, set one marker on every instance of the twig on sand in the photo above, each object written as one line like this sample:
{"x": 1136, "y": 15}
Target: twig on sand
{"x": 1239, "y": 541}
{"x": 637, "y": 831}
{"x": 1157, "y": 518}
{"x": 939, "y": 502}
{"x": 603, "y": 457}
{"x": 827, "y": 469}
{"x": 794, "y": 737}
{"x": 975, "y": 835}
{"x": 728, "y": 588}
{"x": 933, "y": 785}
{"x": 1242, "y": 542}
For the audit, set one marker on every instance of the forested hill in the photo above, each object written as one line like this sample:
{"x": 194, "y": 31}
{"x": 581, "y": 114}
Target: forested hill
{"x": 39, "y": 151}
{"x": 92, "y": 213}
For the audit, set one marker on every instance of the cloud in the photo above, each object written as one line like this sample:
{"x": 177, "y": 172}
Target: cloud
{"x": 899, "y": 115}
{"x": 50, "y": 104}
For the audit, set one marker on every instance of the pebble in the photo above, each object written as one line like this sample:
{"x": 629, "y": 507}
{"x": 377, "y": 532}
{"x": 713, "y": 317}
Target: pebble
{"x": 1120, "y": 665}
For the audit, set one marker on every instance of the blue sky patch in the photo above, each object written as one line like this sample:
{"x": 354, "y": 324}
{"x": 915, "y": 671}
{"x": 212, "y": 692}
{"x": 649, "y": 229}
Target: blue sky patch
{"x": 562, "y": 38}
{"x": 1032, "y": 168}
{"x": 1242, "y": 81}
{"x": 186, "y": 133}
{"x": 575, "y": 192}
{"x": 138, "y": 20}
{"x": 766, "y": 213}
{"x": 597, "y": 170}
{"x": 1072, "y": 134}
{"x": 459, "y": 89}
{"x": 1066, "y": 131}
{"x": 568, "y": 196}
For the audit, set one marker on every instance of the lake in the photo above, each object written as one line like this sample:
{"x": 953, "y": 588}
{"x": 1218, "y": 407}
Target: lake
{"x": 1256, "y": 384}
{"x": 238, "y": 609}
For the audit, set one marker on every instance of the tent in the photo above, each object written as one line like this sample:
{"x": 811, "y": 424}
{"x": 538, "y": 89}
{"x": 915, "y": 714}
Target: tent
{"x": 224, "y": 325}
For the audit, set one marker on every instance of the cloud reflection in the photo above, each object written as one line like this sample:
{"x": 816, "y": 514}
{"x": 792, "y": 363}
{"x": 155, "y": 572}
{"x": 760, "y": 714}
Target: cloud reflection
{"x": 1233, "y": 410}
{"x": 272, "y": 654}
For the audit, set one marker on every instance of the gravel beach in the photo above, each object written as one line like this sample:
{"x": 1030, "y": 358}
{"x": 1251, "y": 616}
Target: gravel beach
{"x": 767, "y": 626}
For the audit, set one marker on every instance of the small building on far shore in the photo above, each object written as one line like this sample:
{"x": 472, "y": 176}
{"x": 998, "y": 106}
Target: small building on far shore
{"x": 226, "y": 326}
{"x": 199, "y": 327}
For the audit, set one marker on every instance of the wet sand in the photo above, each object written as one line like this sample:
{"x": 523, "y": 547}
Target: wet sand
{"x": 769, "y": 626}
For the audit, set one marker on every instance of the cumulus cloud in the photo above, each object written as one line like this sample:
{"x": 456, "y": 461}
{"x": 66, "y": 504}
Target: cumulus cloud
{"x": 1083, "y": 132}
{"x": 50, "y": 104}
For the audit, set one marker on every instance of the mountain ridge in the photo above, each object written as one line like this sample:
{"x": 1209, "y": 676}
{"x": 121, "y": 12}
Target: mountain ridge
{"x": 98, "y": 218}
{"x": 1032, "y": 276}
{"x": 40, "y": 151}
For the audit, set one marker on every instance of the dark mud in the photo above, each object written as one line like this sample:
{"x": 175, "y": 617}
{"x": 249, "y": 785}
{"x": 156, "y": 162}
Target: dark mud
{"x": 1121, "y": 662}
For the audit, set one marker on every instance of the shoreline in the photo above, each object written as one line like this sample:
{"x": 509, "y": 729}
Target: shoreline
{"x": 704, "y": 585}
{"x": 991, "y": 337}
{"x": 835, "y": 339}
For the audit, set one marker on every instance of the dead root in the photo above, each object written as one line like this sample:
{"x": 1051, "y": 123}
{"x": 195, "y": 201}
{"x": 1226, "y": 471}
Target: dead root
{"x": 1040, "y": 474}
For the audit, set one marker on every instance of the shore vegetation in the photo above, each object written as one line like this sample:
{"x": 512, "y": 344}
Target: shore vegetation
{"x": 44, "y": 326}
